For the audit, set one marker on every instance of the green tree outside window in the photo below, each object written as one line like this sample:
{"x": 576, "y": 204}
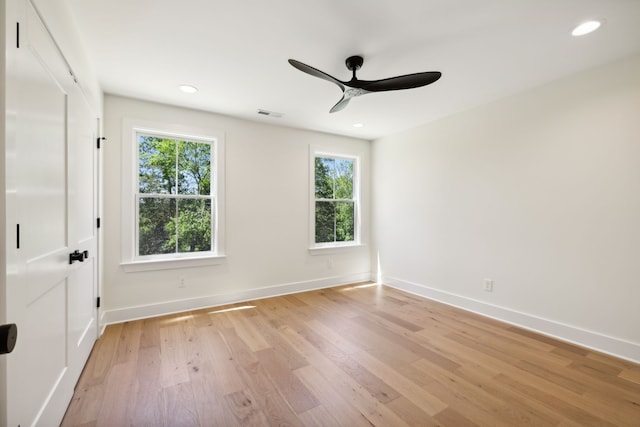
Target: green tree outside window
{"x": 174, "y": 196}
{"x": 334, "y": 200}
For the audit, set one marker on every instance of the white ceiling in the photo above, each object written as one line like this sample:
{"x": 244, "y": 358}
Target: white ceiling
{"x": 236, "y": 51}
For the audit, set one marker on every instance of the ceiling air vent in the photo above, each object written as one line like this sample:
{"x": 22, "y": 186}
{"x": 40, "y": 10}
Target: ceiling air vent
{"x": 270, "y": 113}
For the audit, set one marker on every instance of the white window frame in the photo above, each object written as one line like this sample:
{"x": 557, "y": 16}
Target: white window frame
{"x": 130, "y": 260}
{"x": 328, "y": 247}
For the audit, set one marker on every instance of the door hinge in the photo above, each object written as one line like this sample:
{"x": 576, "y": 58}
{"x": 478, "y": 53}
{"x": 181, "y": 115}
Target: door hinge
{"x": 18, "y": 35}
{"x": 100, "y": 138}
{"x": 98, "y": 302}
{"x": 17, "y": 236}
{"x": 97, "y": 222}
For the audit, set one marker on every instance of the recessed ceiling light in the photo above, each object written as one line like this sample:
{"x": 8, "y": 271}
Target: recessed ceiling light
{"x": 358, "y": 125}
{"x": 586, "y": 28}
{"x": 188, "y": 88}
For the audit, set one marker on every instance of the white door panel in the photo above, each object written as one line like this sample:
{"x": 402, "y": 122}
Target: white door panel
{"x": 81, "y": 317}
{"x": 44, "y": 272}
{"x": 46, "y": 355}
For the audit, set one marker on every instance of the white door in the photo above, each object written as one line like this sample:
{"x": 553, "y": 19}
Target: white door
{"x": 51, "y": 185}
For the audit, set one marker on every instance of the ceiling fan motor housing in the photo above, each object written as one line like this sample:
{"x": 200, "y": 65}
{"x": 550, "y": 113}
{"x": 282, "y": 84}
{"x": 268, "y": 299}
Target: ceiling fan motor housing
{"x": 354, "y": 62}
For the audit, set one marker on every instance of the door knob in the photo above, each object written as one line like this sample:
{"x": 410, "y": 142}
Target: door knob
{"x": 77, "y": 256}
{"x": 8, "y": 338}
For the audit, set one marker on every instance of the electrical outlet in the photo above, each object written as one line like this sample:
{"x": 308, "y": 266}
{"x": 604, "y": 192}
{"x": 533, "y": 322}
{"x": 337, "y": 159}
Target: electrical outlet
{"x": 181, "y": 283}
{"x": 488, "y": 285}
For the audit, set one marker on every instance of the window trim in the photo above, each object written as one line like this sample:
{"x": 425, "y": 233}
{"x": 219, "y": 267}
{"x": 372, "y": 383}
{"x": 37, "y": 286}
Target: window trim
{"x": 334, "y": 247}
{"x": 130, "y": 261}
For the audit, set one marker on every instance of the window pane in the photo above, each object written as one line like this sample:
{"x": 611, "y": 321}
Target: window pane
{"x": 157, "y": 165}
{"x": 344, "y": 178}
{"x": 345, "y": 224}
{"x": 194, "y": 225}
{"x": 194, "y": 163}
{"x": 324, "y": 177}
{"x": 155, "y": 223}
{"x": 325, "y": 222}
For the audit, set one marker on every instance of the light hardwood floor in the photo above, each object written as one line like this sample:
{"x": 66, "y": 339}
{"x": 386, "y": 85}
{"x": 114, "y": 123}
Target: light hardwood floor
{"x": 357, "y": 355}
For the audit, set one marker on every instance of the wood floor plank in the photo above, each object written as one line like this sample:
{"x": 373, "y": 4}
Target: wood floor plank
{"x": 318, "y": 417}
{"x": 174, "y": 369}
{"x": 129, "y": 342}
{"x": 344, "y": 413}
{"x": 101, "y": 359}
{"x": 150, "y": 331}
{"x": 411, "y": 413}
{"x": 368, "y": 307}
{"x": 248, "y": 332}
{"x": 481, "y": 407}
{"x": 620, "y": 411}
{"x": 242, "y": 405}
{"x": 270, "y": 401}
{"x": 278, "y": 344}
{"x": 370, "y": 341}
{"x": 320, "y": 300}
{"x": 566, "y": 409}
{"x": 353, "y": 355}
{"x": 149, "y": 399}
{"x": 149, "y": 405}
{"x": 295, "y": 393}
{"x": 180, "y": 409}
{"x": 556, "y": 376}
{"x": 207, "y": 386}
{"x": 412, "y": 391}
{"x": 632, "y": 375}
{"x": 364, "y": 377}
{"x": 450, "y": 417}
{"x": 85, "y": 406}
{"x": 403, "y": 342}
{"x": 344, "y": 386}
{"x": 517, "y": 409}
{"x": 223, "y": 364}
{"x": 331, "y": 336}
{"x": 120, "y": 395}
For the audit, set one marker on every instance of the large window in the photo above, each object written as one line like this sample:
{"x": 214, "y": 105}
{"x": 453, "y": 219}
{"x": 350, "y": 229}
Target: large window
{"x": 174, "y": 199}
{"x": 171, "y": 198}
{"x": 335, "y": 200}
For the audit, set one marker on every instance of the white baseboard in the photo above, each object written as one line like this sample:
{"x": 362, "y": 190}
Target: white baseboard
{"x": 169, "y": 307}
{"x": 593, "y": 340}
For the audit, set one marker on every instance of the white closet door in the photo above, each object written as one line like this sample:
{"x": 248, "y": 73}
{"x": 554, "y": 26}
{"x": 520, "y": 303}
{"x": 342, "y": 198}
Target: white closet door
{"x": 52, "y": 181}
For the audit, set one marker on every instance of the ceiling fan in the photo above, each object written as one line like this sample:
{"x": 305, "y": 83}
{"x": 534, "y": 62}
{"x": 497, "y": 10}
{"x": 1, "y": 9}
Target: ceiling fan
{"x": 355, "y": 87}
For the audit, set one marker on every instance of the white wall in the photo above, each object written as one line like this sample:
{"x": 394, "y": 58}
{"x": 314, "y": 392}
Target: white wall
{"x": 539, "y": 192}
{"x": 267, "y": 217}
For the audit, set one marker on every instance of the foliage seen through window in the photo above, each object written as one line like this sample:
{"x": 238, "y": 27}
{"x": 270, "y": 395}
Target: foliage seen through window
{"x": 334, "y": 200}
{"x": 174, "y": 196}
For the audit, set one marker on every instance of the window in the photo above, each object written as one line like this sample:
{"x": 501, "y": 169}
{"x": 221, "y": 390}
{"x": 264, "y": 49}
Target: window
{"x": 174, "y": 195}
{"x": 171, "y": 211}
{"x": 335, "y": 200}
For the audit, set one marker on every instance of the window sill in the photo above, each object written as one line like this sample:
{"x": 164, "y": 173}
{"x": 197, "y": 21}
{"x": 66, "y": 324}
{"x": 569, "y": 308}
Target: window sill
{"x": 169, "y": 264}
{"x": 328, "y": 250}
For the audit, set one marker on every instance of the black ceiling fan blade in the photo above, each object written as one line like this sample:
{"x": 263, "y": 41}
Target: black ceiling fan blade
{"x": 315, "y": 72}
{"x": 408, "y": 81}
